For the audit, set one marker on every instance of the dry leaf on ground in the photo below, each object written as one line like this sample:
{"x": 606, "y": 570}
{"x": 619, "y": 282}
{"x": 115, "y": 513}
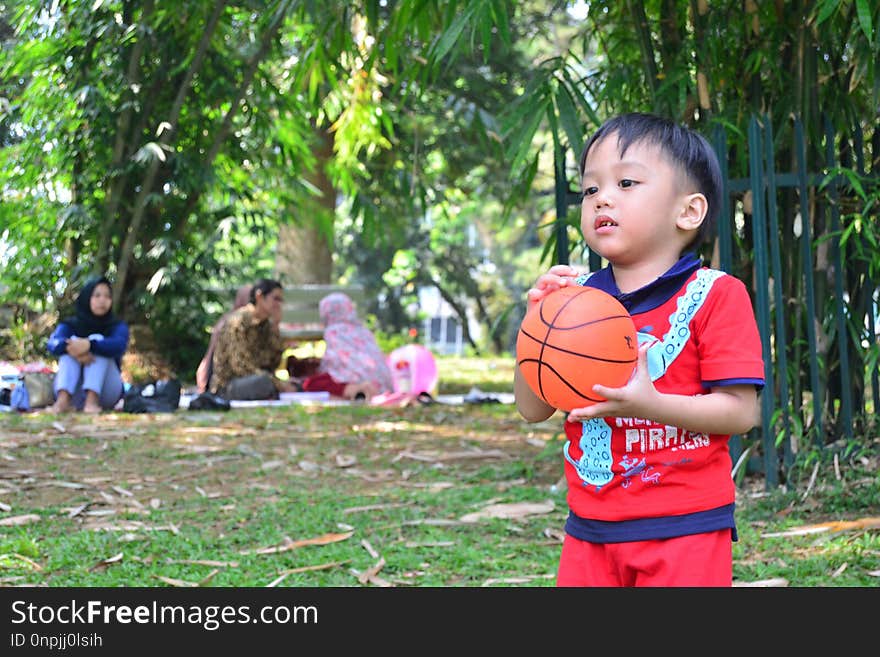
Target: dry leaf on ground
{"x": 373, "y": 507}
{"x": 103, "y": 563}
{"x": 302, "y": 569}
{"x": 207, "y": 578}
{"x": 181, "y": 583}
{"x": 434, "y": 522}
{"x": 15, "y": 521}
{"x": 525, "y": 579}
{"x": 20, "y": 557}
{"x": 370, "y": 575}
{"x": 292, "y": 545}
{"x": 774, "y": 581}
{"x": 509, "y": 511}
{"x": 434, "y": 456}
{"x": 176, "y": 582}
{"x": 205, "y": 562}
{"x": 833, "y": 526}
{"x": 424, "y": 544}
{"x": 130, "y": 526}
{"x": 555, "y": 534}
{"x": 75, "y": 511}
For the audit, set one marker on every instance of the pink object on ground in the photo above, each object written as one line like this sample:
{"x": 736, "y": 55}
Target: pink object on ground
{"x": 413, "y": 369}
{"x": 395, "y": 399}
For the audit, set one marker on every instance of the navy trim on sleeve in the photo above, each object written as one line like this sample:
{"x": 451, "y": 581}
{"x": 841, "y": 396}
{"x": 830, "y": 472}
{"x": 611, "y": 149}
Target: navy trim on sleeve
{"x": 758, "y": 383}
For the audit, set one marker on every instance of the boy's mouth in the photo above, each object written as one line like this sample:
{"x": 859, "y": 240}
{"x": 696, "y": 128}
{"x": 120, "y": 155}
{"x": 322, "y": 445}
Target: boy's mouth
{"x": 604, "y": 222}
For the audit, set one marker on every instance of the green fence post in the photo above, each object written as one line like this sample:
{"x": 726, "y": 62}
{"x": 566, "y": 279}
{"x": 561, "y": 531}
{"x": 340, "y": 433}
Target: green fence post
{"x": 839, "y": 306}
{"x": 725, "y": 242}
{"x": 779, "y": 300}
{"x": 762, "y": 310}
{"x": 725, "y": 223}
{"x": 809, "y": 293}
{"x": 872, "y": 339}
{"x": 871, "y": 336}
{"x": 561, "y": 197}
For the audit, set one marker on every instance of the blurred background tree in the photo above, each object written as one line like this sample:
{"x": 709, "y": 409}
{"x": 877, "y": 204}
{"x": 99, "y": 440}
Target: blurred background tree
{"x": 401, "y": 144}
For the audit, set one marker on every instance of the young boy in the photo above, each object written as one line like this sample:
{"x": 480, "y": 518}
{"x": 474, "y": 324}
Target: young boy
{"x": 650, "y": 493}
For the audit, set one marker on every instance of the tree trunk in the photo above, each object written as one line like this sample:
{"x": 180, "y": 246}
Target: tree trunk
{"x": 305, "y": 244}
{"x": 303, "y": 255}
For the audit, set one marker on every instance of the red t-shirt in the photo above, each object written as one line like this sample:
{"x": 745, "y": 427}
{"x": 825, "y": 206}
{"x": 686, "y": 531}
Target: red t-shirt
{"x": 628, "y": 468}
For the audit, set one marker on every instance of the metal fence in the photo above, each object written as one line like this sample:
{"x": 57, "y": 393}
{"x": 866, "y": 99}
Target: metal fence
{"x": 809, "y": 268}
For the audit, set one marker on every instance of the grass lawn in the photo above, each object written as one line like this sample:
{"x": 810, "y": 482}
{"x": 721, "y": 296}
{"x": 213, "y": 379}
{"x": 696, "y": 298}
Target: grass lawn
{"x": 332, "y": 496}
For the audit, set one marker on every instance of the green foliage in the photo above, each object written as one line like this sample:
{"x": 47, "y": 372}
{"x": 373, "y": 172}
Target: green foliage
{"x": 168, "y": 139}
{"x": 389, "y": 341}
{"x": 20, "y": 545}
{"x": 23, "y": 341}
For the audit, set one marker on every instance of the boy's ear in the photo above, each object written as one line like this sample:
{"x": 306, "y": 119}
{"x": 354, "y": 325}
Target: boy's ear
{"x": 693, "y": 212}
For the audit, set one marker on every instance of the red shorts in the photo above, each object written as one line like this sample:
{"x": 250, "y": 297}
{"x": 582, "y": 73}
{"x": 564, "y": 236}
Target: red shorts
{"x": 695, "y": 560}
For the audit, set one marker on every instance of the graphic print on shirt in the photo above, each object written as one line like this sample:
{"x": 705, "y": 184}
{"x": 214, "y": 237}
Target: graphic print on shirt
{"x": 663, "y": 352}
{"x": 594, "y": 465}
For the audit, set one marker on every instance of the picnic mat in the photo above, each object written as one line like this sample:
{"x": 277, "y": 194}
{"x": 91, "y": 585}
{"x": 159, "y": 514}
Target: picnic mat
{"x": 285, "y": 399}
{"x": 474, "y": 396}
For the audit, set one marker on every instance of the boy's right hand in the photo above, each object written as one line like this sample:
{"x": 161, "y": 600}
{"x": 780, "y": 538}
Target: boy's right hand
{"x": 557, "y": 276}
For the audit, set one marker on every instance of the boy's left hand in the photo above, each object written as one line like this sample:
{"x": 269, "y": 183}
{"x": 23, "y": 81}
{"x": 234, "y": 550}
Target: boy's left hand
{"x": 636, "y": 399}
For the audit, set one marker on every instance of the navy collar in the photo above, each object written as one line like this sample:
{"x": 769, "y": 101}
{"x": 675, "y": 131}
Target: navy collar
{"x": 655, "y": 293}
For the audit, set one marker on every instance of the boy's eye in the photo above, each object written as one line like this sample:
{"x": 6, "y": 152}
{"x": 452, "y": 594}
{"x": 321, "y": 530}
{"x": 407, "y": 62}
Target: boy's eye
{"x": 589, "y": 191}
{"x": 626, "y": 182}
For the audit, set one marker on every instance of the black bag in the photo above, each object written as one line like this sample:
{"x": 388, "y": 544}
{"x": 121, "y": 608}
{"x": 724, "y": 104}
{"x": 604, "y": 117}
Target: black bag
{"x": 208, "y": 401}
{"x": 156, "y": 397}
{"x": 251, "y": 387}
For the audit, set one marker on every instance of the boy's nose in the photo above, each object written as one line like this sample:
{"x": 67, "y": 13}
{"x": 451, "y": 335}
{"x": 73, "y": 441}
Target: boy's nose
{"x": 602, "y": 199}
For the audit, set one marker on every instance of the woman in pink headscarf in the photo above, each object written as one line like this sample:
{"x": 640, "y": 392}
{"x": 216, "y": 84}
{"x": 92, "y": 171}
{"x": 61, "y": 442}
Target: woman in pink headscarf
{"x": 352, "y": 366}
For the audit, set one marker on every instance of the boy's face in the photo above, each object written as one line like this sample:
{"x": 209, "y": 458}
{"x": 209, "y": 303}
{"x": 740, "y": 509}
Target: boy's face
{"x": 634, "y": 209}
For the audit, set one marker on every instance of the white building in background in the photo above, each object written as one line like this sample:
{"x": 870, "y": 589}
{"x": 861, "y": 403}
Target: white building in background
{"x": 441, "y": 331}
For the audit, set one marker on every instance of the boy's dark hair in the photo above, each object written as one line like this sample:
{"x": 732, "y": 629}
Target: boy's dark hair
{"x": 684, "y": 147}
{"x": 264, "y": 285}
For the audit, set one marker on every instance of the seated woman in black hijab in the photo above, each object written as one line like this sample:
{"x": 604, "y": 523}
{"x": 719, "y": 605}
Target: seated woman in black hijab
{"x": 89, "y": 347}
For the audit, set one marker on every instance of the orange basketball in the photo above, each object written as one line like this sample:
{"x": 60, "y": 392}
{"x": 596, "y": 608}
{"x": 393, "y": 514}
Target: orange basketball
{"x": 572, "y": 339}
